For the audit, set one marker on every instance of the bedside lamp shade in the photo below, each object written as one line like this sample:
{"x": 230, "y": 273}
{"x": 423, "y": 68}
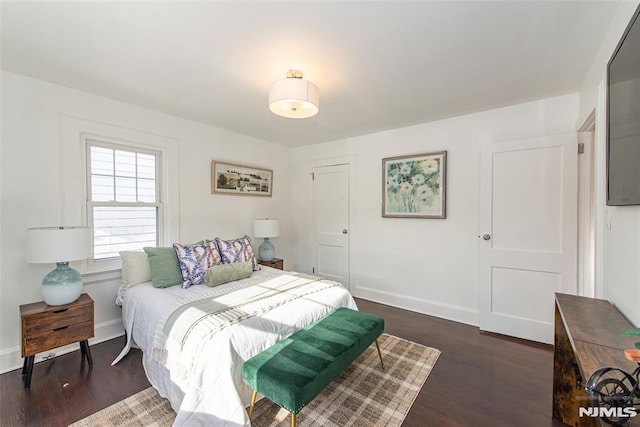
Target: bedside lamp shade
{"x": 266, "y": 228}
{"x": 59, "y": 245}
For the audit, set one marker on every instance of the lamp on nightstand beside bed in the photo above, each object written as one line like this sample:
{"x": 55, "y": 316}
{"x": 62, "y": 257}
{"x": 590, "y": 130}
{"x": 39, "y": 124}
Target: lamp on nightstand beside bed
{"x": 266, "y": 228}
{"x": 59, "y": 245}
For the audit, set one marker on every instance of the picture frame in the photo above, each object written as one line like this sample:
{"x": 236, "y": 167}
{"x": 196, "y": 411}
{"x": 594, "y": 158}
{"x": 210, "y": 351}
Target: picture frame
{"x": 238, "y": 179}
{"x": 414, "y": 186}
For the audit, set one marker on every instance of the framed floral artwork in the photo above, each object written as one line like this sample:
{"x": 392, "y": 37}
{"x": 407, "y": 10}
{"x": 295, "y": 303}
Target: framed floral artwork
{"x": 234, "y": 178}
{"x": 414, "y": 186}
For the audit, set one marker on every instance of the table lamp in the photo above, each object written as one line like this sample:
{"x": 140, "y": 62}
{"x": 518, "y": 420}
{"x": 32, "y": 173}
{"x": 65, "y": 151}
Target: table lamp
{"x": 59, "y": 245}
{"x": 266, "y": 228}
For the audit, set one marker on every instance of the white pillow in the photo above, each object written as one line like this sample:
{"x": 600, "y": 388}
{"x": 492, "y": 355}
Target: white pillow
{"x": 135, "y": 268}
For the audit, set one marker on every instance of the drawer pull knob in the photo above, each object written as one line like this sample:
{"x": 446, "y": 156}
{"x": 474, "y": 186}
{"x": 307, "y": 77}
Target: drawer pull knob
{"x": 61, "y": 328}
{"x": 61, "y": 311}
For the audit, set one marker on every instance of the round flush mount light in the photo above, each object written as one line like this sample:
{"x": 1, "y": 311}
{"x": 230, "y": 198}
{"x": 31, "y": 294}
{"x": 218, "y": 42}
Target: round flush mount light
{"x": 294, "y": 97}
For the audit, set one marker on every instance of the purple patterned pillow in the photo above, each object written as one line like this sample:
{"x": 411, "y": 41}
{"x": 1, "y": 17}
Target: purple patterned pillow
{"x": 237, "y": 250}
{"x": 194, "y": 261}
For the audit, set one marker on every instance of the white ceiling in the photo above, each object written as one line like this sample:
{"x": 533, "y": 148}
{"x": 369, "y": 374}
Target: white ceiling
{"x": 379, "y": 65}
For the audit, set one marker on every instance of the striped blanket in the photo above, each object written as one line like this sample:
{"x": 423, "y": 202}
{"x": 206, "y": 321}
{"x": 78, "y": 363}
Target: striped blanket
{"x": 186, "y": 327}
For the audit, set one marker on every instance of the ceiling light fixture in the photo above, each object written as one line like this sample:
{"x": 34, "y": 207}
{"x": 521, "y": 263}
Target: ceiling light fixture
{"x": 294, "y": 97}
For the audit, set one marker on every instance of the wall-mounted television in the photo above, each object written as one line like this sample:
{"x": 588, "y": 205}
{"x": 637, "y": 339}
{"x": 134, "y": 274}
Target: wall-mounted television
{"x": 623, "y": 118}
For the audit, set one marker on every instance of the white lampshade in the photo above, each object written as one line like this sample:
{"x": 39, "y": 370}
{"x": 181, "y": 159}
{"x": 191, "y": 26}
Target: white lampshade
{"x": 266, "y": 228}
{"x": 294, "y": 97}
{"x": 58, "y": 244}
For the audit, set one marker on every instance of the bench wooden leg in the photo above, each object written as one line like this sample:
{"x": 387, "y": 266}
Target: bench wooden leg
{"x": 253, "y": 402}
{"x": 293, "y": 420}
{"x": 379, "y": 353}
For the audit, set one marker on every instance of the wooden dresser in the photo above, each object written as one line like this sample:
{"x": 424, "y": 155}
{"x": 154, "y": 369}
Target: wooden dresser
{"x": 587, "y": 337}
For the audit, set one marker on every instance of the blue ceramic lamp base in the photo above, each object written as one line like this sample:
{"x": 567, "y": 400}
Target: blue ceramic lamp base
{"x": 266, "y": 251}
{"x": 62, "y": 286}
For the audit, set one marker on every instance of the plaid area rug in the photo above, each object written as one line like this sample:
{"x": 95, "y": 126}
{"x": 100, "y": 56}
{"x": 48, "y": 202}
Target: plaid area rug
{"x": 364, "y": 395}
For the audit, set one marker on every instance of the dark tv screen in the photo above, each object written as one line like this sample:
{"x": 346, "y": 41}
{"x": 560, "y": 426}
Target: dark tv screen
{"x": 623, "y": 113}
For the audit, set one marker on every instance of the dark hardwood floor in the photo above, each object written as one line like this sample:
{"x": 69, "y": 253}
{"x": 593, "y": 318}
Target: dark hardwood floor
{"x": 479, "y": 380}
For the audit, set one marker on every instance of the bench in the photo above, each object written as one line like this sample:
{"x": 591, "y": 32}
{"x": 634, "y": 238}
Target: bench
{"x": 292, "y": 372}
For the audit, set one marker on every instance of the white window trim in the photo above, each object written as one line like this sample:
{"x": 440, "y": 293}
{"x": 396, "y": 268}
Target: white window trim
{"x": 158, "y": 204}
{"x": 74, "y": 135}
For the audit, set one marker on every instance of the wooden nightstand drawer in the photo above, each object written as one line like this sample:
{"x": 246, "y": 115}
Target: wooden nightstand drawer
{"x": 43, "y": 341}
{"x": 57, "y": 318}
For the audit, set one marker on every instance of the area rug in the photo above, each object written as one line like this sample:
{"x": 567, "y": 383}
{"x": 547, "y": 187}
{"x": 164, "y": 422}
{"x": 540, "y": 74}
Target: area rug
{"x": 364, "y": 395}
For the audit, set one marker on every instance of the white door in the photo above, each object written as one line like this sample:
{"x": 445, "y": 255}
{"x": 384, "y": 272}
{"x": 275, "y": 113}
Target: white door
{"x": 331, "y": 222}
{"x": 528, "y": 240}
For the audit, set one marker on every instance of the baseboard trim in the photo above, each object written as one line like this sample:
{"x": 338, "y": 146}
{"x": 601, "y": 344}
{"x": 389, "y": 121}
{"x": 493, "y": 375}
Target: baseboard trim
{"x": 418, "y": 305}
{"x": 11, "y": 359}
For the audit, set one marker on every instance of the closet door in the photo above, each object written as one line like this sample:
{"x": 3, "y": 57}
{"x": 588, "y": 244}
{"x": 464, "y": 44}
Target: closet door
{"x": 330, "y": 234}
{"x": 528, "y": 234}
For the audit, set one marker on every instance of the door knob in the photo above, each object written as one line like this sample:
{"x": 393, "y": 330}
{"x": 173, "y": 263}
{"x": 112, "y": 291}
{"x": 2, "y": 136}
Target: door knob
{"x": 344, "y": 231}
{"x": 486, "y": 236}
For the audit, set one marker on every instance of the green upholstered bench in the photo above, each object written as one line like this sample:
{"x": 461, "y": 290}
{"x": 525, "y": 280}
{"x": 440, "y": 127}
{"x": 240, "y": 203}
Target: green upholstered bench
{"x": 295, "y": 370}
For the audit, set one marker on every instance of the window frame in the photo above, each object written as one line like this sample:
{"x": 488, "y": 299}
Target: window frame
{"x": 74, "y": 132}
{"x": 109, "y": 263}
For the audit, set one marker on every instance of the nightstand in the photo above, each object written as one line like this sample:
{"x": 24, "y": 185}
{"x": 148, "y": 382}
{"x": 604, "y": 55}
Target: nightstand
{"x": 274, "y": 263}
{"x": 45, "y": 327}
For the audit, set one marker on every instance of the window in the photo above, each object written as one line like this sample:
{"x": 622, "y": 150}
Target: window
{"x": 124, "y": 204}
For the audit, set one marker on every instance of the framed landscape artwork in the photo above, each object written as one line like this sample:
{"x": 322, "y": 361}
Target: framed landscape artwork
{"x": 233, "y": 178}
{"x": 414, "y": 186}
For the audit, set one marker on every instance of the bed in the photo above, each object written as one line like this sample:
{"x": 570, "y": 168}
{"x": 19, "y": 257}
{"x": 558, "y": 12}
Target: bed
{"x": 198, "y": 369}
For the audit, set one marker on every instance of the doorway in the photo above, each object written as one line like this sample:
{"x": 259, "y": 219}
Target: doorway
{"x": 586, "y": 208}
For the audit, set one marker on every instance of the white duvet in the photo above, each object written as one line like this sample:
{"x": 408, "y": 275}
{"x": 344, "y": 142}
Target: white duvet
{"x": 213, "y": 394}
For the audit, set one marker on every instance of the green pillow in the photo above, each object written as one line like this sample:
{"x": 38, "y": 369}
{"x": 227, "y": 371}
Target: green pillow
{"x": 224, "y": 273}
{"x": 165, "y": 269}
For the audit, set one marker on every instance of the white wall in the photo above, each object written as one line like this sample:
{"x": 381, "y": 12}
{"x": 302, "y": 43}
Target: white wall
{"x": 425, "y": 265}
{"x": 32, "y": 175}
{"x": 618, "y": 244}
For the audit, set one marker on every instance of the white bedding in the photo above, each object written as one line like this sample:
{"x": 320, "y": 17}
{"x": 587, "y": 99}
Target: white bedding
{"x": 214, "y": 394}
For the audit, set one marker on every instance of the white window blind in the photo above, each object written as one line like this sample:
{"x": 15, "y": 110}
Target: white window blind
{"x": 124, "y": 205}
